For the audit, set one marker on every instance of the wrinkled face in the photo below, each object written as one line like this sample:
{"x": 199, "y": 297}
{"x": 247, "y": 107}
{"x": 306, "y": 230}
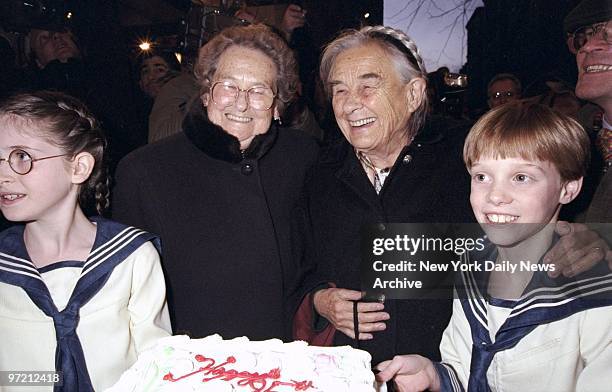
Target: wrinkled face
{"x": 511, "y": 191}
{"x": 594, "y": 62}
{"x": 52, "y": 45}
{"x": 371, "y": 104}
{"x": 46, "y": 190}
{"x": 501, "y": 92}
{"x": 151, "y": 73}
{"x": 246, "y": 69}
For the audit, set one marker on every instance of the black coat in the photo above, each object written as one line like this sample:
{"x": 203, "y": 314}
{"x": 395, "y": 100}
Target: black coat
{"x": 224, "y": 221}
{"x": 428, "y": 183}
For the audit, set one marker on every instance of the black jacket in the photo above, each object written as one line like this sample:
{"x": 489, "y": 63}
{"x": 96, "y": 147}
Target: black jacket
{"x": 427, "y": 184}
{"x": 224, "y": 218}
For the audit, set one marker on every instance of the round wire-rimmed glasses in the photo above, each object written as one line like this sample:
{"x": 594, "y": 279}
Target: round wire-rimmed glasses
{"x": 583, "y": 34}
{"x": 21, "y": 161}
{"x": 226, "y": 93}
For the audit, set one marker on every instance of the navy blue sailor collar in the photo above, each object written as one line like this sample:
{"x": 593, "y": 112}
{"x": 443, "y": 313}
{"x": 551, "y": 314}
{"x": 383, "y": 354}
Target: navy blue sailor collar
{"x": 114, "y": 242}
{"x": 550, "y": 298}
{"x": 543, "y": 301}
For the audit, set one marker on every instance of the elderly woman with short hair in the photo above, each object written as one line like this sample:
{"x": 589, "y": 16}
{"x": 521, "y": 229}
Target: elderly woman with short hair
{"x": 220, "y": 193}
{"x": 390, "y": 167}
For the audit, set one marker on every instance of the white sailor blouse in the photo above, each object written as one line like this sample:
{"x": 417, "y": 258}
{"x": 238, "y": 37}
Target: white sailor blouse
{"x": 89, "y": 319}
{"x": 556, "y": 337}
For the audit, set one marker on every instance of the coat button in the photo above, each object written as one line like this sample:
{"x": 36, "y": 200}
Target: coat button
{"x": 247, "y": 169}
{"x": 407, "y": 158}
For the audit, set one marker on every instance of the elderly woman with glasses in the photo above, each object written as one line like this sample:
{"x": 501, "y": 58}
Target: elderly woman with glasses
{"x": 220, "y": 193}
{"x": 389, "y": 167}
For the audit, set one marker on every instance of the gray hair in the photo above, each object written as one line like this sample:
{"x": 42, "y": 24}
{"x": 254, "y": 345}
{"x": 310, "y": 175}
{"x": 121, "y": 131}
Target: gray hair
{"x": 402, "y": 51}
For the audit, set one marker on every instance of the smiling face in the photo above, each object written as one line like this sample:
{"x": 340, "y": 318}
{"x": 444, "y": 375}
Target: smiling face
{"x": 514, "y": 190}
{"x": 371, "y": 103}
{"x": 594, "y": 62}
{"x": 245, "y": 68}
{"x": 46, "y": 190}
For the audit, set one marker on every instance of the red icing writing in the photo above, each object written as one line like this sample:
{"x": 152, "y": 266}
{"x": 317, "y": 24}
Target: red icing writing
{"x": 265, "y": 382}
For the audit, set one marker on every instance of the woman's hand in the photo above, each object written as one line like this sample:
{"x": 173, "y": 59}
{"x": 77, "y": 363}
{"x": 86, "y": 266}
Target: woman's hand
{"x": 411, "y": 373}
{"x": 336, "y": 305}
{"x": 294, "y": 17}
{"x": 577, "y": 251}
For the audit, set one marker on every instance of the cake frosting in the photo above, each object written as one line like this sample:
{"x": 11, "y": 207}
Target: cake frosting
{"x": 178, "y": 363}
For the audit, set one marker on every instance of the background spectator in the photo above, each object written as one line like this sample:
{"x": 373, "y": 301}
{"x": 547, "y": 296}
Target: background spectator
{"x": 502, "y": 88}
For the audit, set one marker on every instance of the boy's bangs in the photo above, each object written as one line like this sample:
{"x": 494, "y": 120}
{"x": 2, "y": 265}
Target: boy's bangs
{"x": 532, "y": 132}
{"x": 501, "y": 143}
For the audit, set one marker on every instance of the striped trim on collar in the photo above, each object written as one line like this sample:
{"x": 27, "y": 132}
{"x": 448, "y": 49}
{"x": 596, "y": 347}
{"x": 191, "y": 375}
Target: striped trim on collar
{"x": 589, "y": 287}
{"x": 556, "y": 296}
{"x": 474, "y": 295}
{"x": 108, "y": 249}
{"x": 18, "y": 266}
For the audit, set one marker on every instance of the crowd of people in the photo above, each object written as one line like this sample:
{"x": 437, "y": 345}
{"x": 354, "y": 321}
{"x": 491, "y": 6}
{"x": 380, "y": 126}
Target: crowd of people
{"x": 242, "y": 218}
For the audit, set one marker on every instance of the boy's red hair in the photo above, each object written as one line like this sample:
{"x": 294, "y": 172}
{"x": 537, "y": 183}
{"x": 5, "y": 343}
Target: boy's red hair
{"x": 533, "y": 132}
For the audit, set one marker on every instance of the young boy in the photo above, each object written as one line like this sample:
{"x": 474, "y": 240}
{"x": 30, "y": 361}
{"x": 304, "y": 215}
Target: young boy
{"x": 514, "y": 328}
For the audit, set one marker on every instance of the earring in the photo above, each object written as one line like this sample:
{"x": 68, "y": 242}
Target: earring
{"x": 278, "y": 119}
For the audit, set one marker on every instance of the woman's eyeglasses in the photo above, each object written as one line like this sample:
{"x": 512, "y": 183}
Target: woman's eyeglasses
{"x": 21, "y": 162}
{"x": 258, "y": 97}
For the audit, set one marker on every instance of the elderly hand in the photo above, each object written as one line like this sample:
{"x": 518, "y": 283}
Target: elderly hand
{"x": 410, "y": 373}
{"x": 336, "y": 305}
{"x": 293, "y": 18}
{"x": 578, "y": 250}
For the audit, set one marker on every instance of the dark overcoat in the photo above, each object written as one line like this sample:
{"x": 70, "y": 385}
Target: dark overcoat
{"x": 224, "y": 220}
{"x": 427, "y": 184}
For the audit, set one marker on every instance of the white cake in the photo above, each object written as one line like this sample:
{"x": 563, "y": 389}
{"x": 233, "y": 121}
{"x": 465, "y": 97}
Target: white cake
{"x": 178, "y": 363}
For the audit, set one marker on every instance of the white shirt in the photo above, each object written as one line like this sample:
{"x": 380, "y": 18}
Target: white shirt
{"x": 125, "y": 317}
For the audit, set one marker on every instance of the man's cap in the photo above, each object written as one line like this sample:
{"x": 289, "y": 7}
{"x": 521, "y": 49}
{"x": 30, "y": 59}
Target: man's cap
{"x": 586, "y": 13}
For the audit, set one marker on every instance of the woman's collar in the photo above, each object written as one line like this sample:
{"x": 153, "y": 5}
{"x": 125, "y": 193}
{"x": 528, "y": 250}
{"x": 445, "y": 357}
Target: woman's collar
{"x": 215, "y": 142}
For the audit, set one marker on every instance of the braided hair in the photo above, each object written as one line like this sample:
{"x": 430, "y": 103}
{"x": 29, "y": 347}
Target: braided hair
{"x": 402, "y": 51}
{"x": 67, "y": 123}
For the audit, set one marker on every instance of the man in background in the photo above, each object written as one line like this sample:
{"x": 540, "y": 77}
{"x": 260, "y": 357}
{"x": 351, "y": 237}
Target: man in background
{"x": 589, "y": 29}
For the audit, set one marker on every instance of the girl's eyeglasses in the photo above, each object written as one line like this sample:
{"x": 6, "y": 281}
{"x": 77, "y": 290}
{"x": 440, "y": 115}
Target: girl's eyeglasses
{"x": 21, "y": 162}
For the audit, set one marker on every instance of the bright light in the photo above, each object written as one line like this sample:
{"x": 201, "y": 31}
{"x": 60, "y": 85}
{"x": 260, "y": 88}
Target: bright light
{"x": 366, "y": 15}
{"x": 69, "y": 15}
{"x": 179, "y": 57}
{"x": 144, "y": 45}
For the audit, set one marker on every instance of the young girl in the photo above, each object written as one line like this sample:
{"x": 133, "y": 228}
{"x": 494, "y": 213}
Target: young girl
{"x": 81, "y": 296}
